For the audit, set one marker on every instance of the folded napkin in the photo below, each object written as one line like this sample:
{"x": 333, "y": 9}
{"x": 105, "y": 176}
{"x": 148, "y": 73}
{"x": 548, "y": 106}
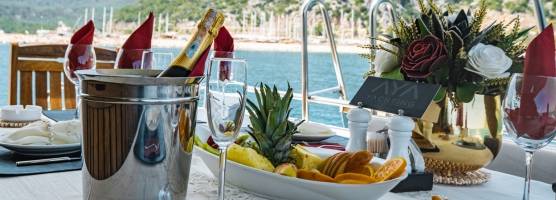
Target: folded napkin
{"x": 222, "y": 42}
{"x": 138, "y": 40}
{"x": 83, "y": 36}
{"x": 532, "y": 117}
{"x": 43, "y": 133}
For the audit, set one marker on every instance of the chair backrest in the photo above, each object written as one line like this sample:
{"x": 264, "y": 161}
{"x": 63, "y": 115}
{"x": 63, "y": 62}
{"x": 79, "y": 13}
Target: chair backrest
{"x": 37, "y": 75}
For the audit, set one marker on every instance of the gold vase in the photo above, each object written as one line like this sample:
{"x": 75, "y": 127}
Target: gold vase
{"x": 465, "y": 138}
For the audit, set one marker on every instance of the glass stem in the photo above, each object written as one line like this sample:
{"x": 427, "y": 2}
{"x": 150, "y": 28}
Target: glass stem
{"x": 528, "y": 164}
{"x": 77, "y": 93}
{"x": 222, "y": 174}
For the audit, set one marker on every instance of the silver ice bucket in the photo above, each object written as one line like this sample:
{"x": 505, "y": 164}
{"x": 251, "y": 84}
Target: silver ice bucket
{"x": 137, "y": 134}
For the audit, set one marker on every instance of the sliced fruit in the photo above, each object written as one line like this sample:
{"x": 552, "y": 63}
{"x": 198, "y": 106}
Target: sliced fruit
{"x": 358, "y": 162}
{"x": 367, "y": 170}
{"x": 353, "y": 176}
{"x": 334, "y": 164}
{"x": 305, "y": 159}
{"x": 209, "y": 149}
{"x": 349, "y": 181}
{"x": 249, "y": 157}
{"x": 314, "y": 175}
{"x": 286, "y": 169}
{"x": 391, "y": 169}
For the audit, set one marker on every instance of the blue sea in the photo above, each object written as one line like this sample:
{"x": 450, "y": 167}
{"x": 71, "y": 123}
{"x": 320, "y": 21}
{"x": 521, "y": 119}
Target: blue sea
{"x": 272, "y": 68}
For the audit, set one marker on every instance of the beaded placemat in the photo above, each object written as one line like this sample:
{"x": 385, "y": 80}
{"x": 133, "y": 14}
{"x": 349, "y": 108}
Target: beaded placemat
{"x": 464, "y": 178}
{"x": 8, "y": 124}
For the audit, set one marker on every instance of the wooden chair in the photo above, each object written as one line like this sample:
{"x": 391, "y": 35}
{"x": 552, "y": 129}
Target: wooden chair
{"x": 43, "y": 66}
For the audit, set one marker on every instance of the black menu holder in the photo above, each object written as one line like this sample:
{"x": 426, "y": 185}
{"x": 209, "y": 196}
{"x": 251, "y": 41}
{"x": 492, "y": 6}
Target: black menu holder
{"x": 416, "y": 181}
{"x": 415, "y": 99}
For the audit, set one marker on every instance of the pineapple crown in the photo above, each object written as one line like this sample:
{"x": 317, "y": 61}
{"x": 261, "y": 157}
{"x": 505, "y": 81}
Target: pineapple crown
{"x": 270, "y": 126}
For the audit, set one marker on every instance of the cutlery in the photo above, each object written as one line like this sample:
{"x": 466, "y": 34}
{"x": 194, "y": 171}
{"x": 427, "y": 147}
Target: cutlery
{"x": 46, "y": 161}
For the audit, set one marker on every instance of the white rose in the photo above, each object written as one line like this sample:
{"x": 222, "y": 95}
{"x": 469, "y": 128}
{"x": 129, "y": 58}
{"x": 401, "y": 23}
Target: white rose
{"x": 386, "y": 61}
{"x": 488, "y": 61}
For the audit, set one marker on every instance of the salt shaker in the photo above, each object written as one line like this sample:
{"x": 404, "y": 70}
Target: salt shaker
{"x": 358, "y": 122}
{"x": 399, "y": 131}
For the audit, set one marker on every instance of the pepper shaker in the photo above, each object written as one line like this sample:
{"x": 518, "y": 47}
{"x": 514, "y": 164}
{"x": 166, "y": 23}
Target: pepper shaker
{"x": 358, "y": 124}
{"x": 399, "y": 131}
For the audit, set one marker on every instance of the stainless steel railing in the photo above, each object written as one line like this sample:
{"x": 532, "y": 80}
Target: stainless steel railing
{"x": 340, "y": 88}
{"x": 539, "y": 11}
{"x": 373, "y": 9}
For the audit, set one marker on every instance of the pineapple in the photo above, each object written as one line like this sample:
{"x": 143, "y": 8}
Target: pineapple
{"x": 269, "y": 123}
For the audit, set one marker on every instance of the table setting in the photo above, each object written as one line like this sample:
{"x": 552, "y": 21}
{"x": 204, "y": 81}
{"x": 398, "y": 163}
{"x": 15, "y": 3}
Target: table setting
{"x": 423, "y": 125}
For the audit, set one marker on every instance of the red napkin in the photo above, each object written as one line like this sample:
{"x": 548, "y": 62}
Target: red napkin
{"x": 83, "y": 36}
{"x": 138, "y": 40}
{"x": 222, "y": 42}
{"x": 326, "y": 145}
{"x": 532, "y": 118}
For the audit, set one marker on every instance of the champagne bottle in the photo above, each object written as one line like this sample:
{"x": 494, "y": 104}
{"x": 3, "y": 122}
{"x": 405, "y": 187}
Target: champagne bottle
{"x": 207, "y": 30}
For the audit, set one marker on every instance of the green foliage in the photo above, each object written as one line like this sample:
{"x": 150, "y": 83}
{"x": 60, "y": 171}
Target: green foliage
{"x": 30, "y": 15}
{"x": 519, "y": 6}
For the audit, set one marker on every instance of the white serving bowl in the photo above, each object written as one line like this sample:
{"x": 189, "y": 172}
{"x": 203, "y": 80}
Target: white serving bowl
{"x": 282, "y": 187}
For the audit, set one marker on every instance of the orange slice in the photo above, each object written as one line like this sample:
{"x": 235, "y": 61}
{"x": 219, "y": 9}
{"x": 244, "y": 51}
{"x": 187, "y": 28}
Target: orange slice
{"x": 349, "y": 181}
{"x": 392, "y": 168}
{"x": 353, "y": 177}
{"x": 367, "y": 170}
{"x": 358, "y": 161}
{"x": 313, "y": 175}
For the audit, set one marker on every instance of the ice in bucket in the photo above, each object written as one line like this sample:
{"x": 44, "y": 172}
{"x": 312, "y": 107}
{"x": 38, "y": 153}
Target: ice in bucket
{"x": 138, "y": 134}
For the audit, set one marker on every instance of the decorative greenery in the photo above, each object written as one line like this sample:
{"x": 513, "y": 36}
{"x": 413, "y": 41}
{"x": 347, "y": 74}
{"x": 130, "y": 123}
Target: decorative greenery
{"x": 458, "y": 32}
{"x": 270, "y": 126}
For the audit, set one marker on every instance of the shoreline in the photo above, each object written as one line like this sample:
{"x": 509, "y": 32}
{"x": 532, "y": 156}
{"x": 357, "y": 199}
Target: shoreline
{"x": 318, "y": 45}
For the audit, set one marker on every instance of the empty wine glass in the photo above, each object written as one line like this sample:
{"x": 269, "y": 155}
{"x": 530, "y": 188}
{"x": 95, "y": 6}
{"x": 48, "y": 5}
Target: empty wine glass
{"x": 530, "y": 116}
{"x": 156, "y": 60}
{"x": 78, "y": 57}
{"x": 225, "y": 102}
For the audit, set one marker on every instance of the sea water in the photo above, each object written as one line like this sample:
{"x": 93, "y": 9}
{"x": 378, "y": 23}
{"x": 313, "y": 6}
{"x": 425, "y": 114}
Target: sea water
{"x": 270, "y": 67}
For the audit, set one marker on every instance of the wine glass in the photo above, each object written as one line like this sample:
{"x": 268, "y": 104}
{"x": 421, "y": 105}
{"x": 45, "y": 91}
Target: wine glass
{"x": 78, "y": 57}
{"x": 156, "y": 60}
{"x": 225, "y": 103}
{"x": 530, "y": 116}
{"x": 130, "y": 58}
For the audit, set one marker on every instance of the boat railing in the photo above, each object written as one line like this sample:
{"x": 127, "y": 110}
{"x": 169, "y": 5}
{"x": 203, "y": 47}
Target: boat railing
{"x": 307, "y": 96}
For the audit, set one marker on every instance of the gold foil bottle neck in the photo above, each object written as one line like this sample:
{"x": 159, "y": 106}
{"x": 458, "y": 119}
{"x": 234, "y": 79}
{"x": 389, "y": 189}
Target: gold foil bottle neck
{"x": 211, "y": 22}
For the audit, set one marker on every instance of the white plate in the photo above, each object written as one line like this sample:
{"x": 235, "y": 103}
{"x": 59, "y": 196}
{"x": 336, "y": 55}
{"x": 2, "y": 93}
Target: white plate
{"x": 282, "y": 187}
{"x": 311, "y": 131}
{"x": 43, "y": 150}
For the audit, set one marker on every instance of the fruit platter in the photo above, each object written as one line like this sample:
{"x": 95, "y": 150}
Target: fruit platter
{"x": 266, "y": 162}
{"x": 313, "y": 173}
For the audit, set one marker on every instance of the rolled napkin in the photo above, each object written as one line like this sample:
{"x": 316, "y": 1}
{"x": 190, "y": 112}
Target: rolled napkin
{"x": 222, "y": 42}
{"x": 539, "y": 61}
{"x": 84, "y": 36}
{"x": 17, "y": 113}
{"x": 138, "y": 40}
{"x": 314, "y": 129}
{"x": 43, "y": 133}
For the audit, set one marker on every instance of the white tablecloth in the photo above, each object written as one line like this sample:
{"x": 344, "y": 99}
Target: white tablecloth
{"x": 67, "y": 186}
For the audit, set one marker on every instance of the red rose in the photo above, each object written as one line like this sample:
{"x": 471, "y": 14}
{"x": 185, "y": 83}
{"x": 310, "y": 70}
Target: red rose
{"x": 423, "y": 57}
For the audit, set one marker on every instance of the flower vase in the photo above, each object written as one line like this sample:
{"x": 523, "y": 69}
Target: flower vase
{"x": 465, "y": 138}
